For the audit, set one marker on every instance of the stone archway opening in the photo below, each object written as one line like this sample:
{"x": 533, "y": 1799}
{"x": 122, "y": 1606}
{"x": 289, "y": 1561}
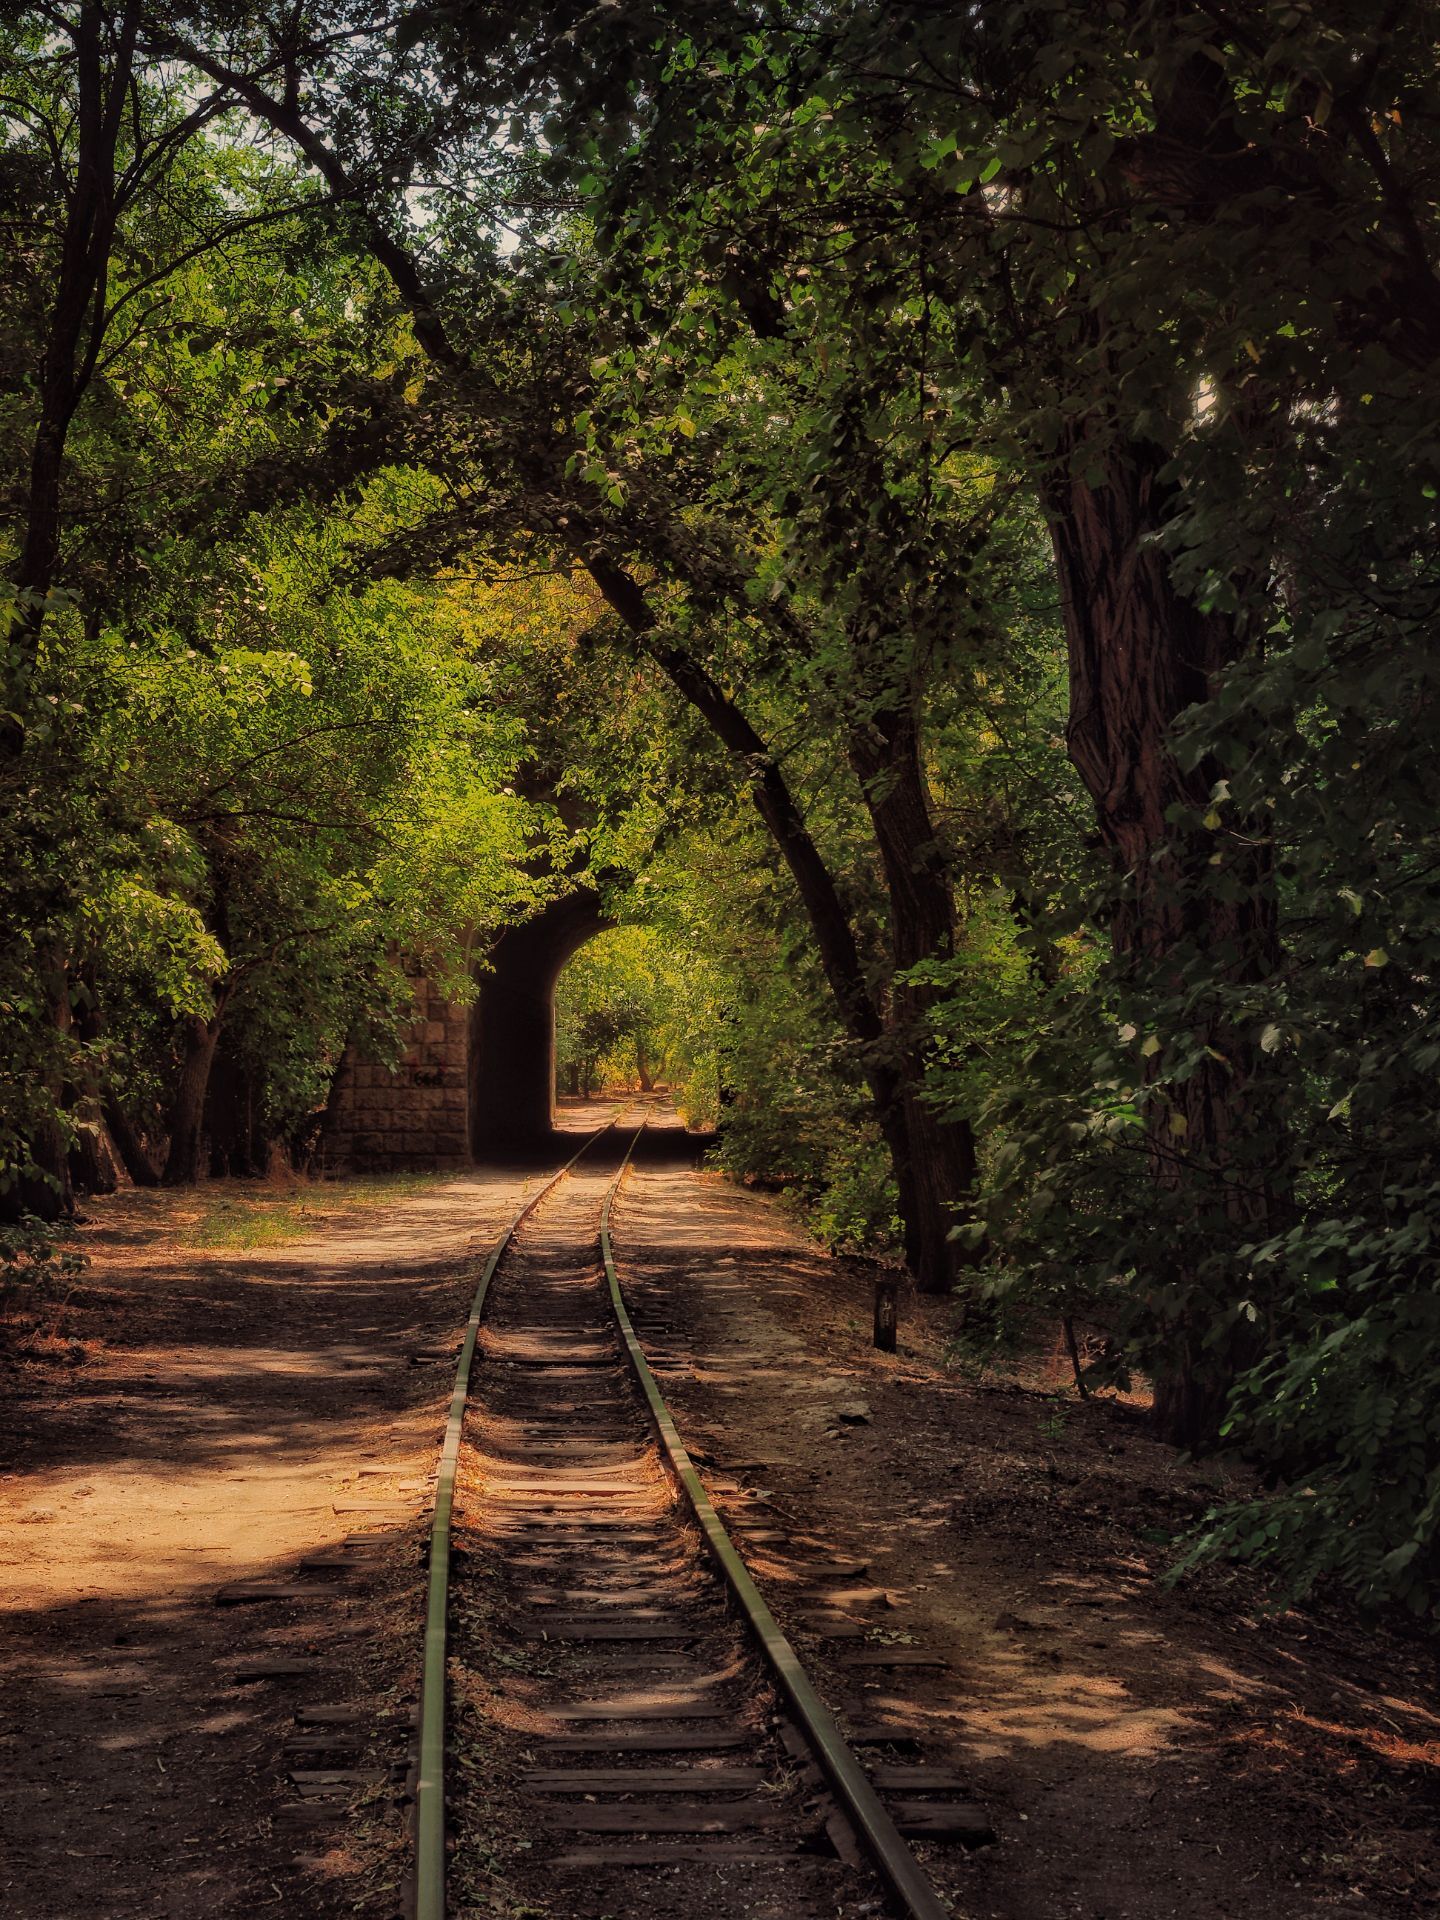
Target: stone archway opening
{"x": 512, "y": 1026}
{"x": 471, "y": 1085}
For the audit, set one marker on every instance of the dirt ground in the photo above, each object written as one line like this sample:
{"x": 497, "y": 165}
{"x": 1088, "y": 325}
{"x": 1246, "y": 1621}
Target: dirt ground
{"x": 194, "y": 1417}
{"x": 1144, "y": 1752}
{"x": 186, "y": 1418}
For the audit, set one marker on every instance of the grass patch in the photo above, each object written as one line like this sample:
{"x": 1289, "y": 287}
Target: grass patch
{"x": 259, "y": 1218}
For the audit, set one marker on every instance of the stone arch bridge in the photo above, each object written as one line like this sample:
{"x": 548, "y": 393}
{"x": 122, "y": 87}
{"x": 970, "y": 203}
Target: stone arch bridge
{"x": 474, "y": 1083}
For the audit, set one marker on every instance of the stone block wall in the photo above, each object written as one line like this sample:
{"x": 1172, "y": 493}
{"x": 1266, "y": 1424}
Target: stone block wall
{"x": 415, "y": 1119}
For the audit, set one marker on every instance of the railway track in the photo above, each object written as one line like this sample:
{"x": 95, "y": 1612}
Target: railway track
{"x": 649, "y": 1711}
{"x": 605, "y": 1694}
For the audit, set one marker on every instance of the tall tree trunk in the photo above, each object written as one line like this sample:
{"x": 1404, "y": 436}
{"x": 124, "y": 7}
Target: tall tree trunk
{"x": 74, "y": 330}
{"x": 642, "y": 1068}
{"x": 71, "y": 342}
{"x": 940, "y": 1154}
{"x": 1140, "y": 654}
{"x": 134, "y": 1154}
{"x": 187, "y": 1111}
{"x": 95, "y": 1159}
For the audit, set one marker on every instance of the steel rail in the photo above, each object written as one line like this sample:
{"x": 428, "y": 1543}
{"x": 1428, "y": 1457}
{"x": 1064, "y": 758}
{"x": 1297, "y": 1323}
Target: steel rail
{"x": 898, "y": 1866}
{"x": 430, "y": 1782}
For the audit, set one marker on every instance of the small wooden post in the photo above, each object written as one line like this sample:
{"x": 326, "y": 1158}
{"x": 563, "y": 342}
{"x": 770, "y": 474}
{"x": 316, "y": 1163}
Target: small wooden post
{"x": 887, "y": 1314}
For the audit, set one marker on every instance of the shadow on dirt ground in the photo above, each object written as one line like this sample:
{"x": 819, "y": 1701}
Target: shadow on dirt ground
{"x": 185, "y": 1419}
{"x": 1145, "y": 1751}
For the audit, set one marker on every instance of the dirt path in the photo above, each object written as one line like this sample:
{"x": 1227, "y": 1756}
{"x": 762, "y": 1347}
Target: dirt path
{"x": 228, "y": 1403}
{"x": 1144, "y": 1753}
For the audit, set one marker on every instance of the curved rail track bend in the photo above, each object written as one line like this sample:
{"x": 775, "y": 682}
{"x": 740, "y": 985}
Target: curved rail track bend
{"x": 637, "y": 1653}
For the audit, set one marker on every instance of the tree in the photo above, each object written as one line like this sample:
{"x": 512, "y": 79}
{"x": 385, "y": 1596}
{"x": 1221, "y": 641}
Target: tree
{"x": 854, "y": 378}
{"x": 548, "y": 490}
{"x": 246, "y": 783}
{"x": 1067, "y": 195}
{"x": 109, "y": 205}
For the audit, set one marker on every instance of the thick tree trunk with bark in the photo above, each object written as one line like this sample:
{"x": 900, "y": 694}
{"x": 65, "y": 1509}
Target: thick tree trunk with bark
{"x": 1140, "y": 654}
{"x": 75, "y": 327}
{"x": 183, "y": 1163}
{"x": 939, "y": 1154}
{"x": 95, "y": 1160}
{"x": 134, "y": 1154}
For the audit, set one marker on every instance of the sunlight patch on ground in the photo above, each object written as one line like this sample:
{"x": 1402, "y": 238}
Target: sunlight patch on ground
{"x": 258, "y": 1218}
